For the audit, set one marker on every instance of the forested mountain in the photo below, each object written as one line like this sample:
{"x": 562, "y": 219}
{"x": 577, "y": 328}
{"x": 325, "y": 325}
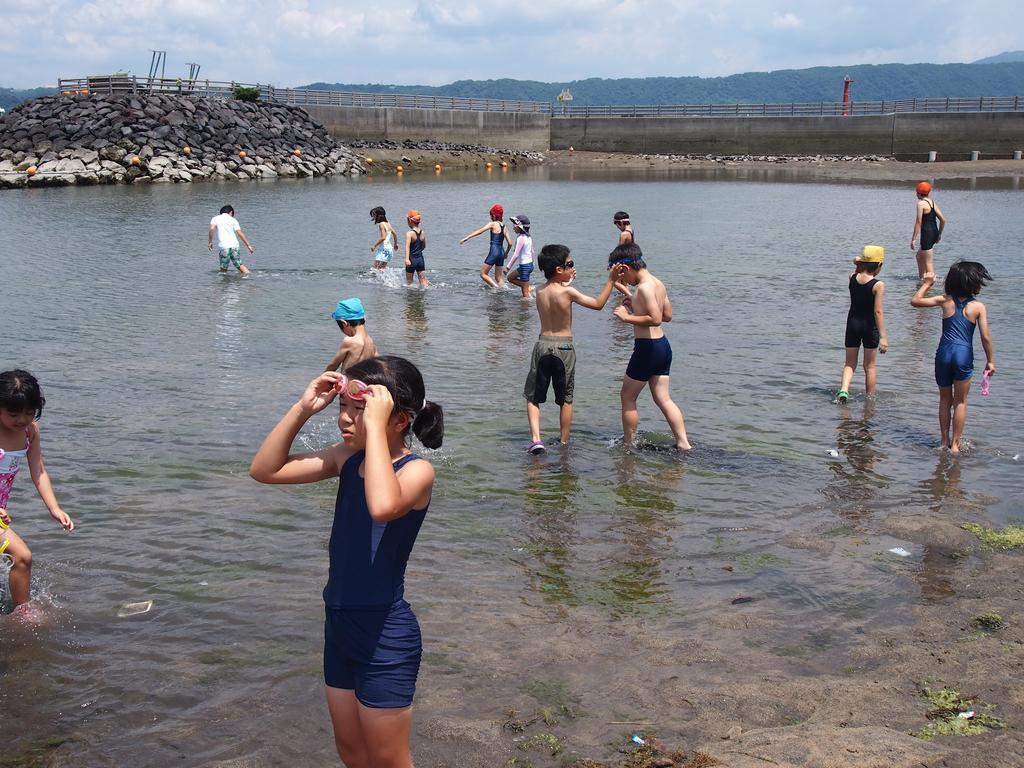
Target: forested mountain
{"x": 1002, "y": 58}
{"x": 12, "y": 97}
{"x": 871, "y": 82}
{"x": 1001, "y": 75}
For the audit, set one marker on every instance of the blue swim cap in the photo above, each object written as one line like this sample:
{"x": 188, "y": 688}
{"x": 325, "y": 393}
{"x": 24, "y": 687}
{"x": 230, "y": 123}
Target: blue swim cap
{"x": 349, "y": 309}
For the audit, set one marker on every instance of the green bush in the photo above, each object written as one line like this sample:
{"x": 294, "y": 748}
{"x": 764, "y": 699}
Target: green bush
{"x": 242, "y": 93}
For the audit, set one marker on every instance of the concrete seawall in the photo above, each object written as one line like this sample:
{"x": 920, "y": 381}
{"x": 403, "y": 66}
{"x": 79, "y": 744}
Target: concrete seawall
{"x": 511, "y": 130}
{"x": 909, "y": 136}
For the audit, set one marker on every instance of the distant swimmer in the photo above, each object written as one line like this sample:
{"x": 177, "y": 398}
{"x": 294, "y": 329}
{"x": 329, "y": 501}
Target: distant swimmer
{"x": 954, "y": 359}
{"x": 415, "y": 243}
{"x": 356, "y": 345}
{"x": 865, "y": 323}
{"x": 501, "y": 242}
{"x": 225, "y": 231}
{"x": 929, "y": 222}
{"x": 21, "y": 405}
{"x": 651, "y": 362}
{"x": 384, "y": 246}
{"x": 553, "y": 363}
{"x": 523, "y": 254}
{"x": 626, "y": 236}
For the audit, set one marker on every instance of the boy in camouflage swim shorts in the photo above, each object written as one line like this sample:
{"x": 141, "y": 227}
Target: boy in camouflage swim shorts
{"x": 554, "y": 358}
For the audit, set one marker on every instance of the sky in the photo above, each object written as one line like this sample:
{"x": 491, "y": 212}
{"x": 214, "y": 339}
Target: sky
{"x": 432, "y": 42}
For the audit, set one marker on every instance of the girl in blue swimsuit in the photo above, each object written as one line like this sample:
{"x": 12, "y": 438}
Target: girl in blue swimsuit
{"x": 954, "y": 359}
{"x": 372, "y": 645}
{"x": 501, "y": 242}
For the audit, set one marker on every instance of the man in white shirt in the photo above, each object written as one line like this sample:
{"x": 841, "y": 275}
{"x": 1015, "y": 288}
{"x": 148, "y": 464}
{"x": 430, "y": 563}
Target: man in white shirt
{"x": 226, "y": 230}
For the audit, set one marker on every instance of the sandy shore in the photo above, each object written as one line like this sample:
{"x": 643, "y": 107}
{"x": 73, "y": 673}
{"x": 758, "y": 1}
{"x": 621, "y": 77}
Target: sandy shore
{"x": 892, "y": 170}
{"x": 417, "y": 161}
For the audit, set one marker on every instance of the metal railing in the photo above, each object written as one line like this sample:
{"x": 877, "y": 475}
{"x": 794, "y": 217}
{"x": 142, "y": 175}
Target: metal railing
{"x": 302, "y": 97}
{"x": 800, "y": 109}
{"x": 128, "y": 84}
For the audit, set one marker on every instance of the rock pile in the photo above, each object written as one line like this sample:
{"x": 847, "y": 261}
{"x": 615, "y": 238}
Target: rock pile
{"x": 137, "y": 138}
{"x": 429, "y": 145}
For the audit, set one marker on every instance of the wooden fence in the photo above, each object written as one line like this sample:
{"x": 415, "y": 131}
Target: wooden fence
{"x": 127, "y": 84}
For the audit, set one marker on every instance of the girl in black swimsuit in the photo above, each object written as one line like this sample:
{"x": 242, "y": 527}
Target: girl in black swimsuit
{"x": 930, "y": 223}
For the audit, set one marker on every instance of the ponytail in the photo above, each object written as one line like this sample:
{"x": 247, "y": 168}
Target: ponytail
{"x": 428, "y": 426}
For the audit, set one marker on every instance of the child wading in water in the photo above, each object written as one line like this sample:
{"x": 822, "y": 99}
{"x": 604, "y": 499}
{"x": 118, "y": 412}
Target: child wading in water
{"x": 357, "y": 344}
{"x": 384, "y": 246}
{"x": 929, "y": 222}
{"x": 225, "y": 232}
{"x": 554, "y": 358}
{"x": 651, "y": 362}
{"x": 501, "y": 241}
{"x": 626, "y": 237}
{"x": 523, "y": 253}
{"x": 21, "y": 404}
{"x": 865, "y": 323}
{"x": 372, "y": 644}
{"x": 415, "y": 242}
{"x": 954, "y": 359}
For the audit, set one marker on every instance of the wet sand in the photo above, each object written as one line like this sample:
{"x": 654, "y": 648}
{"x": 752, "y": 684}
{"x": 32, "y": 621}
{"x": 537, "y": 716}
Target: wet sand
{"x": 416, "y": 161}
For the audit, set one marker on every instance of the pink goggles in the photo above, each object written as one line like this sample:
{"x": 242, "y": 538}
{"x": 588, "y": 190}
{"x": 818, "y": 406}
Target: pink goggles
{"x": 354, "y": 388}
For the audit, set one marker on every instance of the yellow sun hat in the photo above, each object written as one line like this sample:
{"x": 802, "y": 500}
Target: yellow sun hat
{"x": 872, "y": 254}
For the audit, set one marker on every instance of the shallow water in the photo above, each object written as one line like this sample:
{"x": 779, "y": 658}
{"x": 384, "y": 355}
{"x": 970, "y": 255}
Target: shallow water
{"x": 593, "y": 571}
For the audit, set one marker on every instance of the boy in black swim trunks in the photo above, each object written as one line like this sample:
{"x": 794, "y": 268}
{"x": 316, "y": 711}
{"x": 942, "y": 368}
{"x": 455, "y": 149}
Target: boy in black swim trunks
{"x": 554, "y": 359}
{"x": 652, "y": 355}
{"x": 865, "y": 324}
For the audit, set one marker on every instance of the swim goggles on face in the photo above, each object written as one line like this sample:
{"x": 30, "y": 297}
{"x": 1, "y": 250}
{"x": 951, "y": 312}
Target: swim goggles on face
{"x": 354, "y": 388}
{"x": 626, "y": 262}
{"x": 568, "y": 265}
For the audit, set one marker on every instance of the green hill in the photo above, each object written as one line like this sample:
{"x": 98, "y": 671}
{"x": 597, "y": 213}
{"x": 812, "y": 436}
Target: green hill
{"x": 1002, "y": 58}
{"x": 871, "y": 82}
{"x": 12, "y": 97}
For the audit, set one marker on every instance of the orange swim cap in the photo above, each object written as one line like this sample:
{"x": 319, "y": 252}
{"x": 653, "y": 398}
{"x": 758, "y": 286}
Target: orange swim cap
{"x": 413, "y": 216}
{"x": 924, "y": 188}
{"x": 497, "y": 211}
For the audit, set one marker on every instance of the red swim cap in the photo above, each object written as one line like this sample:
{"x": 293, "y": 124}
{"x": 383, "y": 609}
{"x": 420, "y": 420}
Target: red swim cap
{"x": 497, "y": 211}
{"x": 924, "y": 188}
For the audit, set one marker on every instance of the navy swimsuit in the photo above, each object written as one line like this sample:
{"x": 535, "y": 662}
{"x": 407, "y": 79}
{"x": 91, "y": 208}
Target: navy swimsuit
{"x": 929, "y": 229}
{"x": 372, "y": 641}
{"x": 860, "y": 322}
{"x": 416, "y": 263}
{"x": 496, "y": 255}
{"x": 954, "y": 359}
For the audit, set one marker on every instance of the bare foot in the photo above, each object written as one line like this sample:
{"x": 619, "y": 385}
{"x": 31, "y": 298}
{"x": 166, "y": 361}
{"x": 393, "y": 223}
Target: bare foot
{"x": 954, "y": 450}
{"x": 684, "y": 447}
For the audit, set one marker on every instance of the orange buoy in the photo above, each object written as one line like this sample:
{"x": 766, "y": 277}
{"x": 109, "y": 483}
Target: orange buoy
{"x": 136, "y": 160}
{"x": 369, "y": 161}
{"x": 399, "y": 168}
{"x": 31, "y": 170}
{"x": 437, "y": 167}
{"x": 297, "y": 152}
{"x": 242, "y": 153}
{"x": 488, "y": 166}
{"x": 187, "y": 150}
{"x": 504, "y": 164}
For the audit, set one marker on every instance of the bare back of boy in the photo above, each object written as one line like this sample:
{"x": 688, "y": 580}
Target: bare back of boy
{"x": 651, "y": 298}
{"x": 353, "y": 349}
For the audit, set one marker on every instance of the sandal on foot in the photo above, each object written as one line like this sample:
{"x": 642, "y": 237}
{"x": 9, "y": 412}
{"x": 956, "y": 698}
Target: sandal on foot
{"x": 536, "y": 447}
{"x": 842, "y": 396}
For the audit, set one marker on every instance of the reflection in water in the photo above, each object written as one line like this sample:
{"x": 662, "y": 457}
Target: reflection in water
{"x": 550, "y": 491}
{"x": 944, "y": 491}
{"x": 633, "y": 576}
{"x": 507, "y": 319}
{"x": 415, "y": 314}
{"x": 229, "y": 333}
{"x": 854, "y": 482}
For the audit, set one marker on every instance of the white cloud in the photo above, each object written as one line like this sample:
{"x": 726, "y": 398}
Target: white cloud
{"x": 787, "y": 21}
{"x": 292, "y": 42}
